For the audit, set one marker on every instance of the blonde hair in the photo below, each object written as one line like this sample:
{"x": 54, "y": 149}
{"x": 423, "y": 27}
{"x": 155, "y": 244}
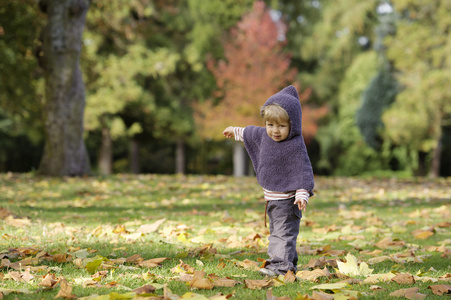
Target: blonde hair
{"x": 274, "y": 113}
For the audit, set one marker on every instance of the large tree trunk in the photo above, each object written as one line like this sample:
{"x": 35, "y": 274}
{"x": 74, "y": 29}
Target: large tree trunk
{"x": 64, "y": 151}
{"x": 105, "y": 162}
{"x": 436, "y": 160}
{"x": 180, "y": 156}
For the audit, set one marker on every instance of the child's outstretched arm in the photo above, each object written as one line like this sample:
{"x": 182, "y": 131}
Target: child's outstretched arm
{"x": 229, "y": 132}
{"x": 301, "y": 199}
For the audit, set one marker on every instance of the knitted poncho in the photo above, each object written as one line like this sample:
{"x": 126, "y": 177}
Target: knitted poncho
{"x": 281, "y": 166}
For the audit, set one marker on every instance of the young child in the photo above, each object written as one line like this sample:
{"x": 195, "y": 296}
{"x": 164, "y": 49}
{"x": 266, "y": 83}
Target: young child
{"x": 284, "y": 171}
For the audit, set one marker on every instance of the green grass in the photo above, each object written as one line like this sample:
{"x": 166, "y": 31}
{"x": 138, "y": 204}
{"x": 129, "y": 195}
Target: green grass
{"x": 103, "y": 215}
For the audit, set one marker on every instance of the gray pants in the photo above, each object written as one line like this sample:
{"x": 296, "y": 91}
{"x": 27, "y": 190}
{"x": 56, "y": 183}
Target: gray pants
{"x": 284, "y": 219}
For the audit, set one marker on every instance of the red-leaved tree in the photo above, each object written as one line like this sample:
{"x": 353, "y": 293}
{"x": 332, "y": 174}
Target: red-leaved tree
{"x": 255, "y": 67}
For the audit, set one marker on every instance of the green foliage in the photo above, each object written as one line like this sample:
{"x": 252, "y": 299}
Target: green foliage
{"x": 420, "y": 52}
{"x": 377, "y": 97}
{"x": 20, "y": 96}
{"x": 342, "y": 134}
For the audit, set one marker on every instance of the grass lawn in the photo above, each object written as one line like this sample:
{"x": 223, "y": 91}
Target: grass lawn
{"x": 203, "y": 237}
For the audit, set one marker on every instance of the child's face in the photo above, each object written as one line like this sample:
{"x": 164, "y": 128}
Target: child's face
{"x": 278, "y": 131}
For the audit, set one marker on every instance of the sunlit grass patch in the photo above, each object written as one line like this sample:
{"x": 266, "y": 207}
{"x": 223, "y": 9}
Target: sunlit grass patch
{"x": 72, "y": 228}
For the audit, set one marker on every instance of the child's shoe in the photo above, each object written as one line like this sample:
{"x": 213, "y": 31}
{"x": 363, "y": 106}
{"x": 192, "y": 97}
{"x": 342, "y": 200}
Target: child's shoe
{"x": 267, "y": 272}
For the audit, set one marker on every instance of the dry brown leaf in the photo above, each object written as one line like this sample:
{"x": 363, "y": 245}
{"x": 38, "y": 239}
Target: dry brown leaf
{"x": 4, "y": 213}
{"x": 62, "y": 258}
{"x": 49, "y": 281}
{"x": 375, "y": 278}
{"x": 352, "y": 281}
{"x": 440, "y": 289}
{"x": 321, "y": 262}
{"x": 145, "y": 289}
{"x": 200, "y": 282}
{"x": 376, "y": 260}
{"x": 224, "y": 282}
{"x": 411, "y": 293}
{"x": 149, "y": 228}
{"x": 422, "y": 235}
{"x": 65, "y": 290}
{"x": 151, "y": 263}
{"x": 21, "y": 276}
{"x": 290, "y": 277}
{"x": 256, "y": 284}
{"x": 388, "y": 242}
{"x": 446, "y": 277}
{"x": 269, "y": 296}
{"x": 17, "y": 222}
{"x": 313, "y": 275}
{"x": 321, "y": 296}
{"x": 403, "y": 279}
{"x": 134, "y": 259}
{"x": 91, "y": 283}
{"x": 249, "y": 265}
{"x": 182, "y": 267}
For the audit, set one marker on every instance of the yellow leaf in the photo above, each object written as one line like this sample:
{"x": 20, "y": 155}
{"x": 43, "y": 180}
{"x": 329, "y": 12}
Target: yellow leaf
{"x": 351, "y": 267}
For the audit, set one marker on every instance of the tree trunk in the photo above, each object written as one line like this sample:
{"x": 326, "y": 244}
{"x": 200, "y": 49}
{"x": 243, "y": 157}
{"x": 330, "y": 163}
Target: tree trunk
{"x": 64, "y": 151}
{"x": 436, "y": 160}
{"x": 239, "y": 160}
{"x": 134, "y": 156}
{"x": 180, "y": 156}
{"x": 422, "y": 164}
{"x": 105, "y": 163}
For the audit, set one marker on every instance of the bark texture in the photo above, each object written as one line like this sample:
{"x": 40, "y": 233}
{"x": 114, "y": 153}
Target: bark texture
{"x": 64, "y": 151}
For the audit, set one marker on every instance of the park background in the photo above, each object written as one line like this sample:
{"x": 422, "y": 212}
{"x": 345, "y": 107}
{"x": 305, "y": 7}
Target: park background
{"x": 134, "y": 91}
{"x": 163, "y": 78}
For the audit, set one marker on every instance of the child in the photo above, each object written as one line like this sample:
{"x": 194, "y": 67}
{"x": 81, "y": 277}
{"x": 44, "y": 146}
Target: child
{"x": 283, "y": 169}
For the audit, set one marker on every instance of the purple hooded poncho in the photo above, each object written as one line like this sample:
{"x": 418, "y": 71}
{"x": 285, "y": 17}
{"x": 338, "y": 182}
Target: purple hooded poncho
{"x": 281, "y": 166}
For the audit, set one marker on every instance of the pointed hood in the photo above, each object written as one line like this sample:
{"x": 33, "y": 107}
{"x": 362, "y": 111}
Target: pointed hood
{"x": 288, "y": 99}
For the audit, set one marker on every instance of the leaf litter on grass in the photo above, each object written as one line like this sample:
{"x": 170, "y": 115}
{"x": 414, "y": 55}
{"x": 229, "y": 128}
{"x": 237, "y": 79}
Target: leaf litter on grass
{"x": 352, "y": 226}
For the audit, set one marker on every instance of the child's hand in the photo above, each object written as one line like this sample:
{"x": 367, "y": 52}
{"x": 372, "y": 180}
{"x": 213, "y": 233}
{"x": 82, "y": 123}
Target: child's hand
{"x": 228, "y": 132}
{"x": 302, "y": 204}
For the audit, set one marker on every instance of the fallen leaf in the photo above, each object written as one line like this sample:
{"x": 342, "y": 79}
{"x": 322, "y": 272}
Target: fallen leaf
{"x": 94, "y": 263}
{"x": 48, "y": 281}
{"x": 151, "y": 263}
{"x": 149, "y": 228}
{"x": 411, "y": 293}
{"x": 134, "y": 259}
{"x": 351, "y": 267}
{"x": 422, "y": 235}
{"x": 321, "y": 296}
{"x": 389, "y": 243}
{"x": 182, "y": 267}
{"x": 255, "y": 284}
{"x": 224, "y": 282}
{"x": 65, "y": 290}
{"x": 269, "y": 296}
{"x": 200, "y": 282}
{"x": 403, "y": 279}
{"x": 331, "y": 286}
{"x": 313, "y": 275}
{"x": 440, "y": 289}
{"x": 17, "y": 222}
{"x": 289, "y": 277}
{"x": 375, "y": 278}
{"x": 249, "y": 264}
{"x": 145, "y": 289}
